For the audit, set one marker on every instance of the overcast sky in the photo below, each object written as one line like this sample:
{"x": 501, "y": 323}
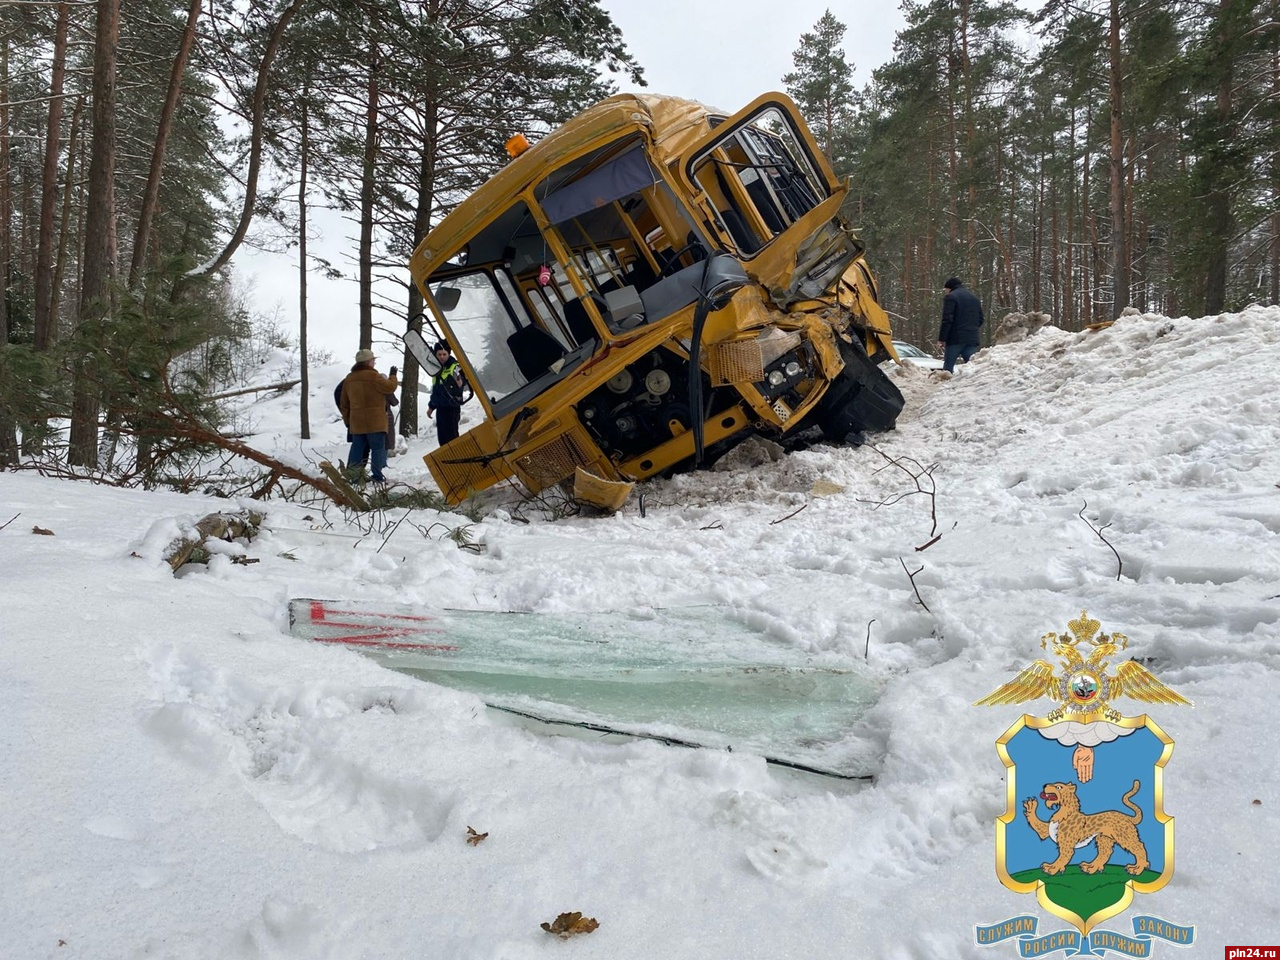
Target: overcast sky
{"x": 723, "y": 54}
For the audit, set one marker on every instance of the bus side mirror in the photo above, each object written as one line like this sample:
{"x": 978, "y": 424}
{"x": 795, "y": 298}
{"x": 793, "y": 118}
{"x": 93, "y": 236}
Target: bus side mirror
{"x": 721, "y": 279}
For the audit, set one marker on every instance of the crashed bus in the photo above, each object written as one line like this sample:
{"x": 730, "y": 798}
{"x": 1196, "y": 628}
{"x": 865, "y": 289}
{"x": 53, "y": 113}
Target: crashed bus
{"x": 646, "y": 286}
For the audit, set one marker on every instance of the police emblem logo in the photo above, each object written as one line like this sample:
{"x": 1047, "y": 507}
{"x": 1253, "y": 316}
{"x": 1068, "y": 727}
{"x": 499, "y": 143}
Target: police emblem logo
{"x": 1084, "y": 826}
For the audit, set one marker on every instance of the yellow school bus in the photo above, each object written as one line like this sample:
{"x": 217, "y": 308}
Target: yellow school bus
{"x": 647, "y": 285}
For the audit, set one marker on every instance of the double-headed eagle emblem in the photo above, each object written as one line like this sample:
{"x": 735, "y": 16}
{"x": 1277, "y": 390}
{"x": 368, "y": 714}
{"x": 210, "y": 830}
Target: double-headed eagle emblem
{"x": 1084, "y": 687}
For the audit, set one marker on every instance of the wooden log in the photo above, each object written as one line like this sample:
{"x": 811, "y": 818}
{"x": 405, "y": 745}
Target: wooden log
{"x": 353, "y": 497}
{"x": 282, "y": 386}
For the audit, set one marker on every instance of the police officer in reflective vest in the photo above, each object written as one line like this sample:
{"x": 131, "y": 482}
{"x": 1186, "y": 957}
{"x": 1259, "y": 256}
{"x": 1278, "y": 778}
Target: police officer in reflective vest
{"x": 446, "y": 394}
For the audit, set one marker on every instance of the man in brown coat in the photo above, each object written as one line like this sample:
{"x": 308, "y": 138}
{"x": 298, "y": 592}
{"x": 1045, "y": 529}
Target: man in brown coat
{"x": 364, "y": 411}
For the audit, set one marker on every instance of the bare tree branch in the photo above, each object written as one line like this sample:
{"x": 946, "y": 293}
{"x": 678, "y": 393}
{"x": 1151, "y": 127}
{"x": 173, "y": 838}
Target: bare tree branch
{"x": 1098, "y": 531}
{"x": 911, "y": 575}
{"x": 255, "y": 151}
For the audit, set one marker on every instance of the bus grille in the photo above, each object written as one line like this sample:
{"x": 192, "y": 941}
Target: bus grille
{"x": 553, "y": 462}
{"x": 738, "y": 361}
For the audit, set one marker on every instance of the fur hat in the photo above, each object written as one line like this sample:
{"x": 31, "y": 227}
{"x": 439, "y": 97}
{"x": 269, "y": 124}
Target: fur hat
{"x": 364, "y": 356}
{"x": 440, "y": 345}
{"x": 952, "y": 283}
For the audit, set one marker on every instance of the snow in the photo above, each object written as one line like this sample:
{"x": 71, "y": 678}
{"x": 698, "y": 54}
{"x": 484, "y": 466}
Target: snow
{"x": 182, "y": 778}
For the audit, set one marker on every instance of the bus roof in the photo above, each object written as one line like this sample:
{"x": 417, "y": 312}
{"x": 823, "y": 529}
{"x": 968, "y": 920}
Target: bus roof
{"x": 669, "y": 124}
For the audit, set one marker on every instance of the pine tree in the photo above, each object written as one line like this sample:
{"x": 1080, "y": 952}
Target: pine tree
{"x": 453, "y": 82}
{"x": 822, "y": 84}
{"x": 99, "y": 264}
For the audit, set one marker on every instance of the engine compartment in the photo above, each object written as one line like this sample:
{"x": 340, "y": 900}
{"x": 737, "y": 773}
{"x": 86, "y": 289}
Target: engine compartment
{"x": 644, "y": 404}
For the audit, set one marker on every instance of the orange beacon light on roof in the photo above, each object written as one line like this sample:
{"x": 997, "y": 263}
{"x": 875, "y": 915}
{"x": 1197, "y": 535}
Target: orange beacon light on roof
{"x": 517, "y": 145}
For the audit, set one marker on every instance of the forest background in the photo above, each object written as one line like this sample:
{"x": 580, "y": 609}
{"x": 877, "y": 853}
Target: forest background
{"x": 1074, "y": 159}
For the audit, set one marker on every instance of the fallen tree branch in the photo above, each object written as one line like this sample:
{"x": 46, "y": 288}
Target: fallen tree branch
{"x": 273, "y": 479}
{"x": 347, "y": 494}
{"x": 394, "y": 527}
{"x": 178, "y": 421}
{"x": 789, "y": 515}
{"x": 922, "y": 477}
{"x": 282, "y": 386}
{"x": 929, "y": 543}
{"x": 1098, "y": 531}
{"x": 912, "y": 577}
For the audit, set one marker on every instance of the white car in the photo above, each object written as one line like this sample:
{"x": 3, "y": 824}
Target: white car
{"x": 910, "y": 353}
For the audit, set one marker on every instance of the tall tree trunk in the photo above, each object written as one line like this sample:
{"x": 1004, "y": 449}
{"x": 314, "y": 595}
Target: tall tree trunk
{"x": 70, "y": 214}
{"x": 1037, "y": 240}
{"x": 6, "y": 175}
{"x": 928, "y": 268}
{"x": 368, "y": 171}
{"x": 1069, "y": 258}
{"x": 304, "y": 159}
{"x": 829, "y": 138}
{"x": 49, "y": 186}
{"x": 1007, "y": 233}
{"x": 1138, "y": 245}
{"x": 30, "y": 220}
{"x": 970, "y": 146}
{"x": 1057, "y": 273}
{"x": 8, "y": 418}
{"x": 1088, "y": 233}
{"x": 151, "y": 195}
{"x": 953, "y": 158}
{"x": 1119, "y": 232}
{"x": 6, "y": 179}
{"x": 1275, "y": 166}
{"x": 908, "y": 266}
{"x": 421, "y": 225}
{"x": 99, "y": 233}
{"x": 1218, "y": 219}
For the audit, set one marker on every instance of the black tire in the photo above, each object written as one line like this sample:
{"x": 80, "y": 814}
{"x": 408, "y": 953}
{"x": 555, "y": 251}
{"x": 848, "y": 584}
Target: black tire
{"x": 861, "y": 399}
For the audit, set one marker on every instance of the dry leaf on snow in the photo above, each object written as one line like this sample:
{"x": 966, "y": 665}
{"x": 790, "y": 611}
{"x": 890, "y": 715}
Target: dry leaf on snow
{"x": 474, "y": 838}
{"x": 568, "y": 924}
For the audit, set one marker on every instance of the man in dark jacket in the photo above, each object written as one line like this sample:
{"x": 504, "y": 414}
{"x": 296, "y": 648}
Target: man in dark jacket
{"x": 961, "y": 319}
{"x": 446, "y": 395}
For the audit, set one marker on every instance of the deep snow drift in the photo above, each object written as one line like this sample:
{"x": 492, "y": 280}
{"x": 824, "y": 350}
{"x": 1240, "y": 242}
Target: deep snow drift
{"x": 183, "y": 779}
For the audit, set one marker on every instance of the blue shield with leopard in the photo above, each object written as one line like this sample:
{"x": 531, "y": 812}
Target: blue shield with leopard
{"x": 1084, "y": 826}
